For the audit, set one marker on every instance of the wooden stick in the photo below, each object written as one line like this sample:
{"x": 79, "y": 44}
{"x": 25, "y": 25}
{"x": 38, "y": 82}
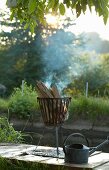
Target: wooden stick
{"x": 43, "y": 90}
{"x": 55, "y": 91}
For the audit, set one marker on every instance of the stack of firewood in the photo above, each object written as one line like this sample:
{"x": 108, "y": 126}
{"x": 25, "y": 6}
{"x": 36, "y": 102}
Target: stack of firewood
{"x": 44, "y": 92}
{"x": 52, "y": 106}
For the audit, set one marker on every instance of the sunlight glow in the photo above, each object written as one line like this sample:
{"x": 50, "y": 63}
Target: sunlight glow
{"x": 2, "y": 4}
{"x": 52, "y": 20}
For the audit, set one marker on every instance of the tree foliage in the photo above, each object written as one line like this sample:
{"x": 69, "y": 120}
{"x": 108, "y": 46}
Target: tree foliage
{"x": 32, "y": 12}
{"x": 20, "y": 55}
{"x": 96, "y": 75}
{"x": 57, "y": 58}
{"x": 31, "y": 58}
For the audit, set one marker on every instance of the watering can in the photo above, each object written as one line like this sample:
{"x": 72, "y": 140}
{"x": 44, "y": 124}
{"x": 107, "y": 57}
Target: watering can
{"x": 78, "y": 153}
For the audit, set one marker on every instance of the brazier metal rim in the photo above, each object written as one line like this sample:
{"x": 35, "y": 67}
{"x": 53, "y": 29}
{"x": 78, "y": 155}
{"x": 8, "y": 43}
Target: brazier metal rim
{"x": 54, "y": 98}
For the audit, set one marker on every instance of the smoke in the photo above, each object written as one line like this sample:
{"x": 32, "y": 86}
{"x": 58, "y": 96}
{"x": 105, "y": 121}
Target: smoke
{"x": 67, "y": 56}
{"x": 61, "y": 57}
{"x": 57, "y": 50}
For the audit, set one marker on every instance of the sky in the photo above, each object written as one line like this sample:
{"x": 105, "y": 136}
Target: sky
{"x": 89, "y": 22}
{"x": 2, "y": 4}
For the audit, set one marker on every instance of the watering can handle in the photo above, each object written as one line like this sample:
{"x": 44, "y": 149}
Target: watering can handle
{"x": 74, "y": 134}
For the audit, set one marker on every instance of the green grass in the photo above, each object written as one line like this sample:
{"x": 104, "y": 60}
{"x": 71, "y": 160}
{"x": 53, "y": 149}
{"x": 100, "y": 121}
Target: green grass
{"x": 89, "y": 108}
{"x": 4, "y": 103}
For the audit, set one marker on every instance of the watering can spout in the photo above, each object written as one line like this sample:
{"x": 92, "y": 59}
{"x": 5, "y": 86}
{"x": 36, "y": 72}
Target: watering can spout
{"x": 99, "y": 146}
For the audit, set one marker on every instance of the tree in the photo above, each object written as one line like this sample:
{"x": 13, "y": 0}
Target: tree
{"x": 20, "y": 55}
{"x": 32, "y": 12}
{"x": 96, "y": 75}
{"x": 96, "y": 43}
{"x": 35, "y": 58}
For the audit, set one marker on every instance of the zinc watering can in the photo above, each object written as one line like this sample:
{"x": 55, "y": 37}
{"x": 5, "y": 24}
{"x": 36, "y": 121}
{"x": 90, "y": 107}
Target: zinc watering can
{"x": 78, "y": 153}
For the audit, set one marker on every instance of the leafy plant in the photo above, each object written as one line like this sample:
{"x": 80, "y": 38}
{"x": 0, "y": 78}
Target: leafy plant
{"x": 32, "y": 12}
{"x": 7, "y": 132}
{"x": 23, "y": 102}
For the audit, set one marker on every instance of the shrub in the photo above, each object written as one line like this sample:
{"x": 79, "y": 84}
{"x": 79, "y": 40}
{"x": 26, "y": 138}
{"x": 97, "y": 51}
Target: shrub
{"x": 7, "y": 132}
{"x": 23, "y": 103}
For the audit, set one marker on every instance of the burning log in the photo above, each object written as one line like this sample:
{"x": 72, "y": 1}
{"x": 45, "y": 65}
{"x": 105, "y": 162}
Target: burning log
{"x": 55, "y": 92}
{"x": 53, "y": 107}
{"x": 43, "y": 91}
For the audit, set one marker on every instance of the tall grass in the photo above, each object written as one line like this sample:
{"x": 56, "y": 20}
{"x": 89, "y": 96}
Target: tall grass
{"x": 4, "y": 103}
{"x": 89, "y": 108}
{"x": 80, "y": 107}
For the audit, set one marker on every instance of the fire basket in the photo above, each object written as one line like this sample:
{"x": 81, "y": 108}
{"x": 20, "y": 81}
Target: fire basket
{"x": 54, "y": 112}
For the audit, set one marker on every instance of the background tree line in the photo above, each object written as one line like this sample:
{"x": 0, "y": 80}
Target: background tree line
{"x": 53, "y": 56}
